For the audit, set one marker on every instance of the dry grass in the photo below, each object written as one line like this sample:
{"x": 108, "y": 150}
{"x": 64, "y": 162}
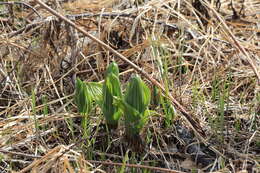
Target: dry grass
{"x": 206, "y": 58}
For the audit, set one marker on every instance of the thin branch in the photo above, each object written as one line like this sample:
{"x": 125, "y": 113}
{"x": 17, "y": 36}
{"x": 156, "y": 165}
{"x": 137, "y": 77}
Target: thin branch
{"x": 21, "y": 3}
{"x": 24, "y": 29}
{"x": 135, "y": 166}
{"x": 18, "y": 153}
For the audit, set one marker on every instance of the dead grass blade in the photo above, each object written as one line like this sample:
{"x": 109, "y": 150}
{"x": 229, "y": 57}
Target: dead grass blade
{"x": 238, "y": 45}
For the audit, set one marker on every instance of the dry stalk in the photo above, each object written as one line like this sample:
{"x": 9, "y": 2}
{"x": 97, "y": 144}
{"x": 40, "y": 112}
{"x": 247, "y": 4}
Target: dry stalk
{"x": 135, "y": 166}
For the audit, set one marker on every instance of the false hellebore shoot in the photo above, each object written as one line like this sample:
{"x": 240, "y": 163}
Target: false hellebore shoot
{"x": 82, "y": 97}
{"x": 111, "y": 89}
{"x": 85, "y": 96}
{"x": 133, "y": 104}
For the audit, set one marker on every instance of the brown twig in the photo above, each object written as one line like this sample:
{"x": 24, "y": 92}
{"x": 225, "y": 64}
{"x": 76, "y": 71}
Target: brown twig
{"x": 18, "y": 153}
{"x": 24, "y": 29}
{"x": 134, "y": 166}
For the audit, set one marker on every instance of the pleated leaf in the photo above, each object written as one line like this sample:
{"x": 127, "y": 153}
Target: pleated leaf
{"x": 137, "y": 94}
{"x": 95, "y": 90}
{"x": 113, "y": 68}
{"x": 111, "y": 89}
{"x": 82, "y": 97}
{"x": 134, "y": 121}
{"x": 134, "y": 105}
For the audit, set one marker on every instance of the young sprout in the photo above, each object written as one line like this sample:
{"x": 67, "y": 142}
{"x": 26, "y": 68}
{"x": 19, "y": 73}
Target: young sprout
{"x": 82, "y": 98}
{"x": 134, "y": 105}
{"x": 85, "y": 96}
{"x": 111, "y": 89}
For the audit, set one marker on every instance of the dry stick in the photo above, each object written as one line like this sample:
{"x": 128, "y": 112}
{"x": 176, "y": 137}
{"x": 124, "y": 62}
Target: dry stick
{"x": 193, "y": 124}
{"x": 48, "y": 156}
{"x": 134, "y": 166}
{"x": 18, "y": 153}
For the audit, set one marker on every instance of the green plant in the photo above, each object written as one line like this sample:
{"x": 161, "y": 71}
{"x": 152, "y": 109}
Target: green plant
{"x": 111, "y": 89}
{"x": 220, "y": 95}
{"x": 86, "y": 94}
{"x": 198, "y": 97}
{"x": 82, "y": 97}
{"x": 164, "y": 62}
{"x": 134, "y": 105}
{"x": 156, "y": 96}
{"x": 125, "y": 160}
{"x": 36, "y": 124}
{"x": 45, "y": 110}
{"x": 169, "y": 111}
{"x": 94, "y": 89}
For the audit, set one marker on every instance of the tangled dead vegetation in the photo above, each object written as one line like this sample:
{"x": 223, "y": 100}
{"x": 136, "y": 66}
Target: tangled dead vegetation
{"x": 202, "y": 56}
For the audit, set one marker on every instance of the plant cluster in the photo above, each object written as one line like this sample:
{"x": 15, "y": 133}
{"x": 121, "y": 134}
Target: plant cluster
{"x": 133, "y": 104}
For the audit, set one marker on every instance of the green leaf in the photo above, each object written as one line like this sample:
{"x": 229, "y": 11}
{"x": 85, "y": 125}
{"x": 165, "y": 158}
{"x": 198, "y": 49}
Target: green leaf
{"x": 134, "y": 105}
{"x": 134, "y": 121}
{"x": 138, "y": 94}
{"x": 156, "y": 96}
{"x": 95, "y": 90}
{"x": 132, "y": 116}
{"x": 111, "y": 88}
{"x": 112, "y": 68}
{"x": 82, "y": 98}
